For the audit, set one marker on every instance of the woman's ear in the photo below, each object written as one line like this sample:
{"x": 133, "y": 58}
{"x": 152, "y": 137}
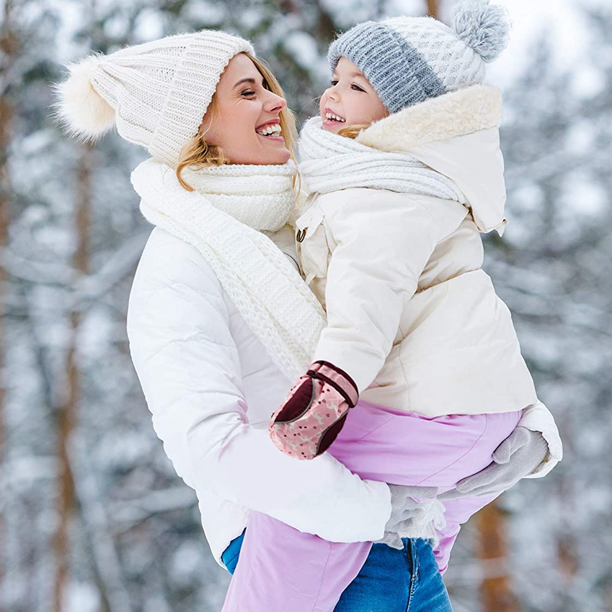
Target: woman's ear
{"x": 206, "y": 127}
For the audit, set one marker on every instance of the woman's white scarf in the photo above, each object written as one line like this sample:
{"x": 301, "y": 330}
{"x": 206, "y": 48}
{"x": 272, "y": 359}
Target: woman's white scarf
{"x": 224, "y": 219}
{"x": 329, "y": 162}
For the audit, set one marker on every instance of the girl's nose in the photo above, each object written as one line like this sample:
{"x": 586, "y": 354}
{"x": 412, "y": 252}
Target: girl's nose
{"x": 332, "y": 93}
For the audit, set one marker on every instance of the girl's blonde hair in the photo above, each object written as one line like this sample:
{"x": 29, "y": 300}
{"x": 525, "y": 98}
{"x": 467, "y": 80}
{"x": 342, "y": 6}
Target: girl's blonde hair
{"x": 197, "y": 153}
{"x": 352, "y": 131}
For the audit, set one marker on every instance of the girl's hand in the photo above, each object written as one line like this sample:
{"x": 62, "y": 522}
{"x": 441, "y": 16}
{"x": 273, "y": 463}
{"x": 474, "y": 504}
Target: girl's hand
{"x": 314, "y": 412}
{"x": 516, "y": 457}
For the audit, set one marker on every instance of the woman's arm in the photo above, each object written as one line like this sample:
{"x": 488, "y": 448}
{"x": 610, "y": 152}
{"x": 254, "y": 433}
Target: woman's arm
{"x": 532, "y": 450}
{"x": 189, "y": 368}
{"x": 538, "y": 418}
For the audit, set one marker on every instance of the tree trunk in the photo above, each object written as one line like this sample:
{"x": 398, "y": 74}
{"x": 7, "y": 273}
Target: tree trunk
{"x": 433, "y": 8}
{"x": 8, "y": 43}
{"x": 496, "y": 588}
{"x": 5, "y": 115}
{"x": 67, "y": 410}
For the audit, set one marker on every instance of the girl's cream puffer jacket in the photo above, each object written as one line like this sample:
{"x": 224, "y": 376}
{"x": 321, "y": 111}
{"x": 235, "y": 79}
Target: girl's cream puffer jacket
{"x": 412, "y": 317}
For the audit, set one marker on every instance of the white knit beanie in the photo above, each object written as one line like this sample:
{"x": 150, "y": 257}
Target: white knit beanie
{"x": 156, "y": 93}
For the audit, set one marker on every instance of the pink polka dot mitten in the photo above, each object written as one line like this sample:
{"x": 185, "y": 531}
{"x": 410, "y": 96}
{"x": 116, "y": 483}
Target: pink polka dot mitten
{"x": 314, "y": 411}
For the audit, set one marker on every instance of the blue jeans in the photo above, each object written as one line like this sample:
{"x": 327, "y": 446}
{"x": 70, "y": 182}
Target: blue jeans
{"x": 391, "y": 580}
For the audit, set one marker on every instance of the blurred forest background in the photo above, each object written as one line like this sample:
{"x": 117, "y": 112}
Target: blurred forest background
{"x": 92, "y": 515}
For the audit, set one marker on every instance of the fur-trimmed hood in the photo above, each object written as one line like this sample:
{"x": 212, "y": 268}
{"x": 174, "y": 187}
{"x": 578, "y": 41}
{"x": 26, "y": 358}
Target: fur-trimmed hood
{"x": 456, "y": 134}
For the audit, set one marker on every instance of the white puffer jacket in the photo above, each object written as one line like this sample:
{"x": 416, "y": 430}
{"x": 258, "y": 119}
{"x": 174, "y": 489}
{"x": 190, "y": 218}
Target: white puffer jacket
{"x": 211, "y": 387}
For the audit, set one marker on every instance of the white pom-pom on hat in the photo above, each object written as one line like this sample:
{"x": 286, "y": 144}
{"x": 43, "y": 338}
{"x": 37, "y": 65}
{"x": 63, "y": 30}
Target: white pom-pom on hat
{"x": 483, "y": 27}
{"x": 84, "y": 113}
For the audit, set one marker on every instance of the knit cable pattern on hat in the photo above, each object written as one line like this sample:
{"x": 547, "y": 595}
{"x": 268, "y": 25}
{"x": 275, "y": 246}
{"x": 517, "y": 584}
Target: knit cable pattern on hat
{"x": 410, "y": 59}
{"x": 160, "y": 90}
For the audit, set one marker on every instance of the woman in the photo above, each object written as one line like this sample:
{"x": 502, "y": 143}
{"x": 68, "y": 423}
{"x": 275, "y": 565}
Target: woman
{"x": 217, "y": 313}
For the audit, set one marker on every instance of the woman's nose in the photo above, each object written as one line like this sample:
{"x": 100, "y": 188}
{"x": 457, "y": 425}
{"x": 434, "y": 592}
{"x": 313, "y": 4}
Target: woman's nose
{"x": 276, "y": 103}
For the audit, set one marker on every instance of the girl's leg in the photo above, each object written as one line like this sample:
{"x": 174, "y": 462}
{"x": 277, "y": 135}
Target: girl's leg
{"x": 497, "y": 427}
{"x": 282, "y": 569}
{"x": 458, "y": 511}
{"x": 408, "y": 449}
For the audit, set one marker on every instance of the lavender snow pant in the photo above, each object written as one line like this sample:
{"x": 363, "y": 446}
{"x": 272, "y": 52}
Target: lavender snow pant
{"x": 281, "y": 569}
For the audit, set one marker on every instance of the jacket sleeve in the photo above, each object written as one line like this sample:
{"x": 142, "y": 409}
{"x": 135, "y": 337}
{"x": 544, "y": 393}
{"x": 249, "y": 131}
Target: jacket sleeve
{"x": 189, "y": 369}
{"x": 383, "y": 242}
{"x": 538, "y": 417}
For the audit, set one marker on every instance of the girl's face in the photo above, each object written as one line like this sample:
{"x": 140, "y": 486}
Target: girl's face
{"x": 350, "y": 100}
{"x": 246, "y": 121}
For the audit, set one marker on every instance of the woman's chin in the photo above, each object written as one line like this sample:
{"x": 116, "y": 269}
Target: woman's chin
{"x": 276, "y": 153}
{"x": 263, "y": 158}
{"x": 284, "y": 156}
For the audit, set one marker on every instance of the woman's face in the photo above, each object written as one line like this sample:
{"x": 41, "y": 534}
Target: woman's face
{"x": 350, "y": 100}
{"x": 246, "y": 123}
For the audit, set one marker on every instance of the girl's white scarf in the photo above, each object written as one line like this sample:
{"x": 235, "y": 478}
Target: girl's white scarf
{"x": 224, "y": 219}
{"x": 329, "y": 162}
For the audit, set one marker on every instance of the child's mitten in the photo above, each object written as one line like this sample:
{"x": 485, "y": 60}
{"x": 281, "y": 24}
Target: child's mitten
{"x": 314, "y": 412}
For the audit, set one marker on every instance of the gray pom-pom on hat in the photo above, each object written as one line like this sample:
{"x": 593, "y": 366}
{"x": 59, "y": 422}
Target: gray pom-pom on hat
{"x": 483, "y": 27}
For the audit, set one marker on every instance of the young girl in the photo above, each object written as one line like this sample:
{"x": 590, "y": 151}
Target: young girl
{"x": 404, "y": 170}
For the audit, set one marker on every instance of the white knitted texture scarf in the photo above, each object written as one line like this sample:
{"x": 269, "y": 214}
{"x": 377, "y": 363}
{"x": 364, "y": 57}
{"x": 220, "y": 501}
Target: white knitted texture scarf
{"x": 224, "y": 219}
{"x": 261, "y": 199}
{"x": 329, "y": 162}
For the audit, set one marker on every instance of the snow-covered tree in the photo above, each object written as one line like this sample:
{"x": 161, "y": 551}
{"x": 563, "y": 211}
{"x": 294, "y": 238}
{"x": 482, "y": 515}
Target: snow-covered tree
{"x": 80, "y": 461}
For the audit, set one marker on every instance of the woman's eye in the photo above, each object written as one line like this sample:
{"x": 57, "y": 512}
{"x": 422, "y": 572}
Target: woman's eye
{"x": 357, "y": 88}
{"x": 247, "y": 94}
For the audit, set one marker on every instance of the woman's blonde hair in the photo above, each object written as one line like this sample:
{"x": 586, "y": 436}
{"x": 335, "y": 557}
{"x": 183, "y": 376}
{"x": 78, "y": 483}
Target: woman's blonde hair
{"x": 197, "y": 153}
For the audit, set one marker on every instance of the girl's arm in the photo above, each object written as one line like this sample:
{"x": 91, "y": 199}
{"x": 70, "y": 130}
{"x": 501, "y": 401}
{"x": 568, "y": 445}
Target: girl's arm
{"x": 384, "y": 240}
{"x": 189, "y": 369}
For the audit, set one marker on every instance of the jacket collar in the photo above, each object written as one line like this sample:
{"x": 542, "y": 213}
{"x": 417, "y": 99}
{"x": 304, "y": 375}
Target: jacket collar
{"x": 457, "y": 113}
{"x": 457, "y": 135}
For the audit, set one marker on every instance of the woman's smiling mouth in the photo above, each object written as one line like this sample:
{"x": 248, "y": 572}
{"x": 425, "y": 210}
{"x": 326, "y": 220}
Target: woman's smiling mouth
{"x": 271, "y": 131}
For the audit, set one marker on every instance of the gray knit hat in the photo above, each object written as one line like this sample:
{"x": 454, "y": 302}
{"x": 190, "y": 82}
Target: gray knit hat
{"x": 408, "y": 60}
{"x": 155, "y": 93}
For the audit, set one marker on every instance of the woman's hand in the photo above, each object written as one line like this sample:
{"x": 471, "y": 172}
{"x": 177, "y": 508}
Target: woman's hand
{"x": 406, "y": 512}
{"x": 516, "y": 457}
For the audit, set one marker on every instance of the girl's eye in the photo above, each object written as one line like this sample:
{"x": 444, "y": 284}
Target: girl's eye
{"x": 334, "y": 83}
{"x": 357, "y": 88}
